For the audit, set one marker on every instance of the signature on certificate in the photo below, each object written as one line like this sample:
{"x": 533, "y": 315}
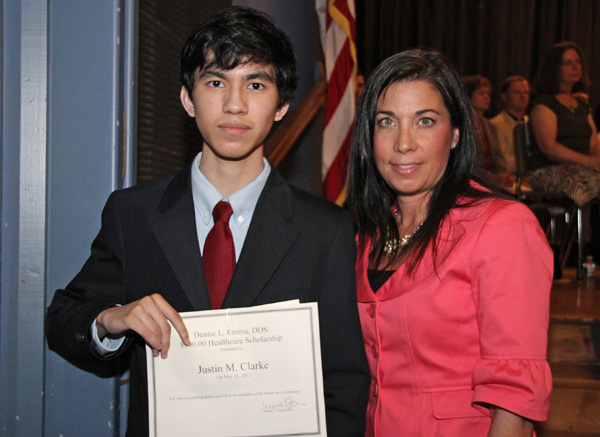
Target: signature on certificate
{"x": 288, "y": 404}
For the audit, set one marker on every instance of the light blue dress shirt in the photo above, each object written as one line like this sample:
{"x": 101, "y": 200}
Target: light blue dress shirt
{"x": 243, "y": 202}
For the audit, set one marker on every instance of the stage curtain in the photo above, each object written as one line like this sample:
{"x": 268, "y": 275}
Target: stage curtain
{"x": 489, "y": 37}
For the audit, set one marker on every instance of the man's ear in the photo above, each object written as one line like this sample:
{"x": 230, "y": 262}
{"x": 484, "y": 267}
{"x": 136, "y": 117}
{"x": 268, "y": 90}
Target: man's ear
{"x": 186, "y": 101}
{"x": 281, "y": 111}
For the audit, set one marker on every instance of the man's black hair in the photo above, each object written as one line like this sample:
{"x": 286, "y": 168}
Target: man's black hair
{"x": 235, "y": 36}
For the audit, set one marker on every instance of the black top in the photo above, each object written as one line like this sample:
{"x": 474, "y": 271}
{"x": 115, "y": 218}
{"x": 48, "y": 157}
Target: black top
{"x": 572, "y": 130}
{"x": 378, "y": 277}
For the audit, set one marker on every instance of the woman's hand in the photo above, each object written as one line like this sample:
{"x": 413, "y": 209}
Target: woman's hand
{"x": 507, "y": 424}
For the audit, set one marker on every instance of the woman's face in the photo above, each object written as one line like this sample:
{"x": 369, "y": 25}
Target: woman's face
{"x": 412, "y": 138}
{"x": 481, "y": 98}
{"x": 570, "y": 68}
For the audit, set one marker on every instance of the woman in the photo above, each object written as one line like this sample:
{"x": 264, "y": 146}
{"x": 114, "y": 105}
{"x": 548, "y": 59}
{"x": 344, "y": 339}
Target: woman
{"x": 453, "y": 281}
{"x": 569, "y": 151}
{"x": 479, "y": 90}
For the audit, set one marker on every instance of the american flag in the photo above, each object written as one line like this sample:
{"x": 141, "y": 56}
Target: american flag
{"x": 338, "y": 35}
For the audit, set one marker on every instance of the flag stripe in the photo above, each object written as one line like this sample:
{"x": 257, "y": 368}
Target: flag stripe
{"x": 340, "y": 12}
{"x": 337, "y": 29}
{"x": 334, "y": 47}
{"x": 337, "y": 129}
{"x": 341, "y": 77}
{"x": 335, "y": 181}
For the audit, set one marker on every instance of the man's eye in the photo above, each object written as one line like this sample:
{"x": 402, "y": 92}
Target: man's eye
{"x": 215, "y": 83}
{"x": 256, "y": 86}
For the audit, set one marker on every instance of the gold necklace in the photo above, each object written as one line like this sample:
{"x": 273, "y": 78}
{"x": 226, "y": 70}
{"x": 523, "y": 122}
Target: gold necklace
{"x": 392, "y": 245}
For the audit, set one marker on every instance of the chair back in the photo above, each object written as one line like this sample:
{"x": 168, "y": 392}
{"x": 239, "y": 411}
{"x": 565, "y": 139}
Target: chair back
{"x": 520, "y": 134}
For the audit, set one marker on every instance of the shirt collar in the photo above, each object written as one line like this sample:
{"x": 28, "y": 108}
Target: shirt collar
{"x": 243, "y": 201}
{"x": 515, "y": 118}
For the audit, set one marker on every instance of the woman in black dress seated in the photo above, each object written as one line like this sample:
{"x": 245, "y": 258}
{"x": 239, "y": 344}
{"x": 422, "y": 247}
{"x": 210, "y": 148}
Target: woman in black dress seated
{"x": 567, "y": 157}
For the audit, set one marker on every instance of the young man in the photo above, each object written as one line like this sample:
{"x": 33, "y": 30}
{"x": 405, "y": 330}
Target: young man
{"x": 515, "y": 100}
{"x": 149, "y": 260}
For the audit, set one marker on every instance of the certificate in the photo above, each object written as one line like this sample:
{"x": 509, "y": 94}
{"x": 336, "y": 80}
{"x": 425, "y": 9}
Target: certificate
{"x": 249, "y": 372}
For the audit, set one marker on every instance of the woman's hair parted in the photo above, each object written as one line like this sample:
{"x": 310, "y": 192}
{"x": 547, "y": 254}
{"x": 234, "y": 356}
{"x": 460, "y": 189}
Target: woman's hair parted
{"x": 371, "y": 198}
{"x": 547, "y": 80}
{"x": 473, "y": 83}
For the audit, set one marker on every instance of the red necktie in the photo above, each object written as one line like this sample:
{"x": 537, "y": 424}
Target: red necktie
{"x": 219, "y": 254}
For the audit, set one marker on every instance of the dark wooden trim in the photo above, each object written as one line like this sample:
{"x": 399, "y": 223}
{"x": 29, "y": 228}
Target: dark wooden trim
{"x": 285, "y": 134}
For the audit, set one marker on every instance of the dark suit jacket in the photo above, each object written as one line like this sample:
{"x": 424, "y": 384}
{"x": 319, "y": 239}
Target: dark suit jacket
{"x": 298, "y": 246}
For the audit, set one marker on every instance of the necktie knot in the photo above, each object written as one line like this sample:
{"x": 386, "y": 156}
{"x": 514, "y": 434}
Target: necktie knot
{"x": 222, "y": 212}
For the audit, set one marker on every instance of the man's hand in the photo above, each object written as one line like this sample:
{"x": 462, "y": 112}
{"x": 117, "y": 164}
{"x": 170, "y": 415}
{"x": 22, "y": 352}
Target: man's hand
{"x": 148, "y": 317}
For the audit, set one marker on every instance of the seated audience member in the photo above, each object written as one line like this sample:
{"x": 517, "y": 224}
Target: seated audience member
{"x": 479, "y": 90}
{"x": 515, "y": 100}
{"x": 453, "y": 281}
{"x": 566, "y": 156}
{"x": 359, "y": 84}
{"x": 567, "y": 147}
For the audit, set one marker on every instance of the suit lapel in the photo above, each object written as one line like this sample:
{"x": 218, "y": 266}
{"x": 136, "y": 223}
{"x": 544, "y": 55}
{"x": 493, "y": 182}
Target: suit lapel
{"x": 175, "y": 230}
{"x": 269, "y": 238}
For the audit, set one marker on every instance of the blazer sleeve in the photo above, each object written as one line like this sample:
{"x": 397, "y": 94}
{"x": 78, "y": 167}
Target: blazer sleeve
{"x": 99, "y": 285}
{"x": 345, "y": 368}
{"x": 512, "y": 276}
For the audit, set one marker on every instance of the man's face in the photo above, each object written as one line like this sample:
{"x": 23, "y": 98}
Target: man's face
{"x": 234, "y": 109}
{"x": 516, "y": 98}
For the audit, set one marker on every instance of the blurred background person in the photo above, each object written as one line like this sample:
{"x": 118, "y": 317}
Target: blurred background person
{"x": 453, "y": 281}
{"x": 359, "y": 84}
{"x": 566, "y": 154}
{"x": 515, "y": 100}
{"x": 479, "y": 90}
{"x": 562, "y": 125}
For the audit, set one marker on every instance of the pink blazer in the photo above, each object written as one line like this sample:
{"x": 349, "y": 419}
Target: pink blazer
{"x": 443, "y": 345}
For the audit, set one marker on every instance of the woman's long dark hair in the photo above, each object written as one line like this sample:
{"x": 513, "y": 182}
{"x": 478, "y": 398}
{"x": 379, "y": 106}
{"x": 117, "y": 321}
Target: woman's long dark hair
{"x": 547, "y": 80}
{"x": 371, "y": 198}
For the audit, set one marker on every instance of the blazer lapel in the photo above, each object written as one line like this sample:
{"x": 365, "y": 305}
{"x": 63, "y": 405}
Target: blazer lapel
{"x": 175, "y": 230}
{"x": 269, "y": 238}
{"x": 452, "y": 233}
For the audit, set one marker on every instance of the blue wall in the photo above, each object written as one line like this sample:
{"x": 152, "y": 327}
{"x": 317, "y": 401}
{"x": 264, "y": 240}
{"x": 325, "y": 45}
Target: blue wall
{"x": 9, "y": 228}
{"x": 80, "y": 56}
{"x": 84, "y": 103}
